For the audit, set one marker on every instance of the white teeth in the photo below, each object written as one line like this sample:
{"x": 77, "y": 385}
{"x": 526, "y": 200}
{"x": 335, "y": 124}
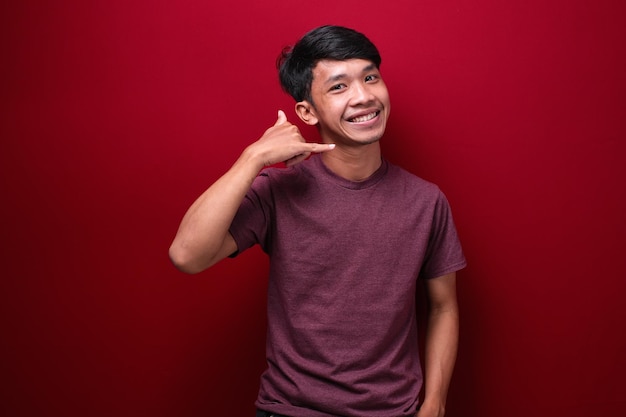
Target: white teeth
{"x": 365, "y": 118}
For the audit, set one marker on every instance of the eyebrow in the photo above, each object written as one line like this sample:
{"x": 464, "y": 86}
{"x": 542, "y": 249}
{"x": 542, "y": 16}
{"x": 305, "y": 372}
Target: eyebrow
{"x": 337, "y": 77}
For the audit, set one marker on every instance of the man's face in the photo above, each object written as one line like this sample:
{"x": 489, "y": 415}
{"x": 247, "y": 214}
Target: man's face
{"x": 350, "y": 102}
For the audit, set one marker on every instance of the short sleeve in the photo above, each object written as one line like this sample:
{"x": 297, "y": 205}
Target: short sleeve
{"x": 444, "y": 254}
{"x": 251, "y": 222}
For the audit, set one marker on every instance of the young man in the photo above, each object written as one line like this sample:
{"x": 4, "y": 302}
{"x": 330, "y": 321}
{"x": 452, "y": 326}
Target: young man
{"x": 349, "y": 237}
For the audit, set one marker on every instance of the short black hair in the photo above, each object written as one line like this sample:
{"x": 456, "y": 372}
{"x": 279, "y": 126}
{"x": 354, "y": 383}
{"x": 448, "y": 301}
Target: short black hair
{"x": 295, "y": 64}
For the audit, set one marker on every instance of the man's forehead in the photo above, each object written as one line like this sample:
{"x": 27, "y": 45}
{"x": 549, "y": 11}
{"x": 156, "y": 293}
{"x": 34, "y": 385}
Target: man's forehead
{"x": 330, "y": 69}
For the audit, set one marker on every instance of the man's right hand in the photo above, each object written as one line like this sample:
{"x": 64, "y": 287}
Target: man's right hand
{"x": 284, "y": 143}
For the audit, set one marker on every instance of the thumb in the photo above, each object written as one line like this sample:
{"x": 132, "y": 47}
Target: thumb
{"x": 281, "y": 118}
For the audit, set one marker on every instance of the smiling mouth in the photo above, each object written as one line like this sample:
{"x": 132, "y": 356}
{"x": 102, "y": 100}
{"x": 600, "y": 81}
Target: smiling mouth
{"x": 364, "y": 118}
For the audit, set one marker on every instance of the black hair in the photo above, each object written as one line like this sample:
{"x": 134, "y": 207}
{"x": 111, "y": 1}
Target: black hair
{"x": 295, "y": 64}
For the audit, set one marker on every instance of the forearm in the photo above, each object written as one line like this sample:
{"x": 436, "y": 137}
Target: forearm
{"x": 440, "y": 356}
{"x": 204, "y": 228}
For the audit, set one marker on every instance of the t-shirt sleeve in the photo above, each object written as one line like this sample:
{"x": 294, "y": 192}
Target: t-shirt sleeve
{"x": 444, "y": 254}
{"x": 251, "y": 222}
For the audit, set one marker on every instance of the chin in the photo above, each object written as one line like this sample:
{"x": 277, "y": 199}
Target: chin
{"x": 372, "y": 139}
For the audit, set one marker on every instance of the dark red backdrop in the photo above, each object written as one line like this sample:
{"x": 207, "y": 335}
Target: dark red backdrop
{"x": 117, "y": 114}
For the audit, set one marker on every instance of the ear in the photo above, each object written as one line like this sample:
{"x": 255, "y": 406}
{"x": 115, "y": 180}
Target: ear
{"x": 306, "y": 112}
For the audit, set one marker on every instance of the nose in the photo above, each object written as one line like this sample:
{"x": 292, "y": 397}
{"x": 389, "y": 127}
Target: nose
{"x": 361, "y": 93}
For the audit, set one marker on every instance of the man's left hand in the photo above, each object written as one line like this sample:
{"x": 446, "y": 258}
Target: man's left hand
{"x": 428, "y": 410}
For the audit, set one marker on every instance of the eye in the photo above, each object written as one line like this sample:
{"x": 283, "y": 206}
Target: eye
{"x": 337, "y": 87}
{"x": 371, "y": 77}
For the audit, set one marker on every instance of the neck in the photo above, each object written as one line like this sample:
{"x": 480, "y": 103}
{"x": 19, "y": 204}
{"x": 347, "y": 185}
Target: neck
{"x": 355, "y": 163}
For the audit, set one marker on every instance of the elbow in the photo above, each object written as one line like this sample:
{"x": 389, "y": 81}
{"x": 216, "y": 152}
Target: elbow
{"x": 183, "y": 260}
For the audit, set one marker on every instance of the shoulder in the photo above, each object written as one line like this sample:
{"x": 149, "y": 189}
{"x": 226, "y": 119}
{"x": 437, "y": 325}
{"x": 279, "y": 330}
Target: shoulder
{"x": 412, "y": 183}
{"x": 283, "y": 177}
{"x": 280, "y": 173}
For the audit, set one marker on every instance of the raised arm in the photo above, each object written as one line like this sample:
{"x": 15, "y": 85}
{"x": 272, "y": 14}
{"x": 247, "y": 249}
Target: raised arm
{"x": 442, "y": 336}
{"x": 202, "y": 238}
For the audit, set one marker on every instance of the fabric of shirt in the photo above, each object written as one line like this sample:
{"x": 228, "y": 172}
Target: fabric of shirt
{"x": 345, "y": 259}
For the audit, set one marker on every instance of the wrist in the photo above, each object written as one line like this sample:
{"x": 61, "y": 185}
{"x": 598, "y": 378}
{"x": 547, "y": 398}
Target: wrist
{"x": 250, "y": 161}
{"x": 433, "y": 406}
{"x": 431, "y": 410}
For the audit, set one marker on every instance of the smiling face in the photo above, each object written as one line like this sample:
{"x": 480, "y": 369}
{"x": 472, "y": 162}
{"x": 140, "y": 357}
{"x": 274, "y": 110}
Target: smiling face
{"x": 349, "y": 102}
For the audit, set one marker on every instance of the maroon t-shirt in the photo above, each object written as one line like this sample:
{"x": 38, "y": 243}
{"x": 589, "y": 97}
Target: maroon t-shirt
{"x": 345, "y": 258}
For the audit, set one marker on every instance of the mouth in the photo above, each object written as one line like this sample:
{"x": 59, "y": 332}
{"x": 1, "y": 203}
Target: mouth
{"x": 364, "y": 118}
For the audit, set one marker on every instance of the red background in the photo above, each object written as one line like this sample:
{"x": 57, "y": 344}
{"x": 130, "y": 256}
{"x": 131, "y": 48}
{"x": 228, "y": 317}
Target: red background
{"x": 117, "y": 114}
